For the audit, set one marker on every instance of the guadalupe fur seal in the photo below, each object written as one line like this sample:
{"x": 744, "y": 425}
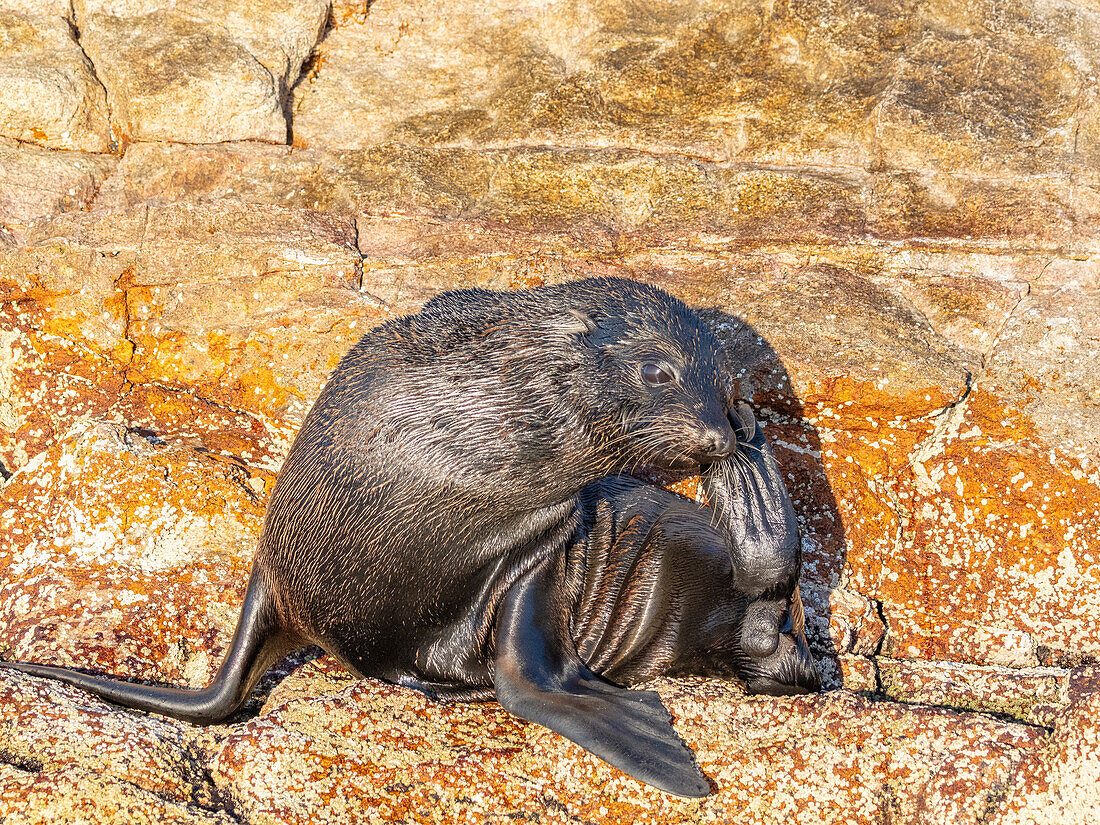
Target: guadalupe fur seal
{"x": 451, "y": 517}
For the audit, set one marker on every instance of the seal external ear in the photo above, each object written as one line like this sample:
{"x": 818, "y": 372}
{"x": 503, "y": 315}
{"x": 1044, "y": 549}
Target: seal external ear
{"x": 582, "y": 323}
{"x": 539, "y": 677}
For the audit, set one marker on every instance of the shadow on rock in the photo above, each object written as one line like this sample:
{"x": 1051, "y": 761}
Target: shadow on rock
{"x": 762, "y": 380}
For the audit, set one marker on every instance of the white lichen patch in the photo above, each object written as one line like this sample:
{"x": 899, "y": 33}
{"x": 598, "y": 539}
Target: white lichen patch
{"x": 12, "y": 406}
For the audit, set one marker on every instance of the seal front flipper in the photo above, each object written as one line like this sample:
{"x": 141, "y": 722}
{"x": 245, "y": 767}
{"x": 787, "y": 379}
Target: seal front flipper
{"x": 754, "y": 511}
{"x": 539, "y": 677}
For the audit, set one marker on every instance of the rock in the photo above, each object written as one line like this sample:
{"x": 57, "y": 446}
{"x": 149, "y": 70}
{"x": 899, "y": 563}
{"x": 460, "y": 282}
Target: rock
{"x": 966, "y": 301}
{"x": 36, "y": 183}
{"x": 1046, "y": 363}
{"x": 198, "y": 72}
{"x": 1005, "y": 495}
{"x": 629, "y": 201}
{"x": 86, "y": 516}
{"x": 854, "y": 623}
{"x": 74, "y": 796}
{"x": 149, "y": 544}
{"x": 1031, "y": 695}
{"x": 374, "y": 753}
{"x": 63, "y": 754}
{"x": 1059, "y": 783}
{"x": 62, "y": 736}
{"x": 891, "y": 218}
{"x": 921, "y": 86}
{"x": 139, "y": 314}
{"x": 855, "y": 673}
{"x": 380, "y": 753}
{"x": 49, "y": 92}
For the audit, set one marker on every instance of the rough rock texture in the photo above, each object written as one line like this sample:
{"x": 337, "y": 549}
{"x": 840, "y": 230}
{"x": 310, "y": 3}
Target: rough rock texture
{"x": 36, "y": 183}
{"x": 218, "y": 323}
{"x": 49, "y": 93}
{"x": 1033, "y": 695}
{"x": 733, "y": 736}
{"x": 1059, "y": 784}
{"x": 953, "y": 86}
{"x": 201, "y": 72}
{"x": 113, "y": 527}
{"x": 890, "y": 215}
{"x": 66, "y": 757}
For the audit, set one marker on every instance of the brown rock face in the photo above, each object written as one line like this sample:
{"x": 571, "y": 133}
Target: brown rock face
{"x": 198, "y": 72}
{"x": 49, "y": 93}
{"x": 149, "y": 316}
{"x": 107, "y": 524}
{"x": 916, "y": 85}
{"x": 1059, "y": 784}
{"x": 35, "y": 183}
{"x": 407, "y": 744}
{"x": 890, "y": 216}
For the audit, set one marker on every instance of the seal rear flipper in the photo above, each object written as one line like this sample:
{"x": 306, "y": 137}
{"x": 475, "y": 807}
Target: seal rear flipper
{"x": 539, "y": 677}
{"x": 255, "y": 647}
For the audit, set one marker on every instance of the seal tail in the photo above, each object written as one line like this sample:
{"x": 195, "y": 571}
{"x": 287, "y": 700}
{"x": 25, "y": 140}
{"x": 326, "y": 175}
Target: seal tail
{"x": 257, "y": 644}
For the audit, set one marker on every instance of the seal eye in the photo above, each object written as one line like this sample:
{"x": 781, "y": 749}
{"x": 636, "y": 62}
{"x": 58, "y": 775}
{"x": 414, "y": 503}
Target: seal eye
{"x": 654, "y": 375}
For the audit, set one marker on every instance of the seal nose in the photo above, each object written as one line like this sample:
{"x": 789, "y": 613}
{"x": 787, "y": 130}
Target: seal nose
{"x": 718, "y": 442}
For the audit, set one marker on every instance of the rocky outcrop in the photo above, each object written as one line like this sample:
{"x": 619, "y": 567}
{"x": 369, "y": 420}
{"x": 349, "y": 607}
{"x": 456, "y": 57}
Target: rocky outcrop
{"x": 199, "y": 72}
{"x": 37, "y": 183}
{"x": 49, "y": 92}
{"x": 890, "y": 217}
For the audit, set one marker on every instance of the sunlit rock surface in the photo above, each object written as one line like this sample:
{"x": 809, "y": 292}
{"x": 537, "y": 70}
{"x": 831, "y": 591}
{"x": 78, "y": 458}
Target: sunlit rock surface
{"x": 37, "y": 182}
{"x": 49, "y": 92}
{"x": 890, "y": 216}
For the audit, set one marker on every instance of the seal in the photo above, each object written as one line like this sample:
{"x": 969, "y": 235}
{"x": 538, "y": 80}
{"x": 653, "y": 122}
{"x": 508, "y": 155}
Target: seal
{"x": 451, "y": 517}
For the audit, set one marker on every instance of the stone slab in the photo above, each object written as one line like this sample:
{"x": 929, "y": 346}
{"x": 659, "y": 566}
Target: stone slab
{"x": 38, "y": 183}
{"x": 198, "y": 72}
{"x": 1032, "y": 695}
{"x": 49, "y": 93}
{"x": 983, "y": 87}
{"x": 217, "y": 322}
{"x": 127, "y": 555}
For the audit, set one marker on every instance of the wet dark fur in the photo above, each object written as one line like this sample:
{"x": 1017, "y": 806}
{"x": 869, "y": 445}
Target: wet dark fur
{"x": 448, "y": 518}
